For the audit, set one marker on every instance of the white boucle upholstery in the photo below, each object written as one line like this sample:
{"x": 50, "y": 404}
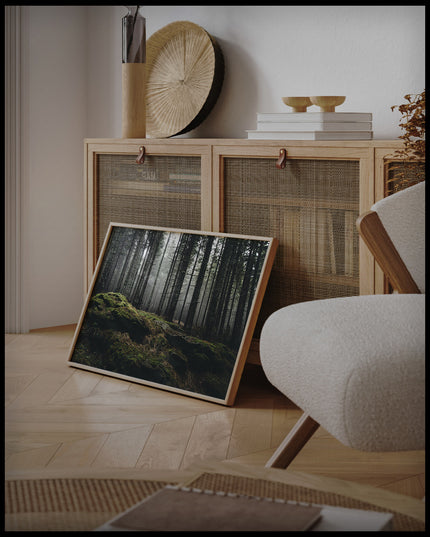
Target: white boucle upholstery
{"x": 403, "y": 217}
{"x": 355, "y": 365}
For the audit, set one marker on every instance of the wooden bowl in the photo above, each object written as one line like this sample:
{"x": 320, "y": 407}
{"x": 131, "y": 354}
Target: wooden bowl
{"x": 298, "y": 104}
{"x": 327, "y": 103}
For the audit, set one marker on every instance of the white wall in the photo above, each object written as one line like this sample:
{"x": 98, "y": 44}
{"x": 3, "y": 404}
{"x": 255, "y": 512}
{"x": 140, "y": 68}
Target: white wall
{"x": 56, "y": 127}
{"x": 372, "y": 54}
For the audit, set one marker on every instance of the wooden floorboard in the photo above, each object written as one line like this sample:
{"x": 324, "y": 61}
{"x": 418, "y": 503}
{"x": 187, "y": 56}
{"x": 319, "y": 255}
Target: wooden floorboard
{"x": 60, "y": 417}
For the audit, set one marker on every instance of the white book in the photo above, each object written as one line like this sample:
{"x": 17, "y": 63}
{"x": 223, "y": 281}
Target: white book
{"x": 314, "y": 116}
{"x": 184, "y": 177}
{"x": 309, "y": 135}
{"x": 318, "y": 126}
{"x": 138, "y": 185}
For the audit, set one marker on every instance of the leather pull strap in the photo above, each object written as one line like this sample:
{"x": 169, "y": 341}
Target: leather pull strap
{"x": 280, "y": 163}
{"x": 141, "y": 156}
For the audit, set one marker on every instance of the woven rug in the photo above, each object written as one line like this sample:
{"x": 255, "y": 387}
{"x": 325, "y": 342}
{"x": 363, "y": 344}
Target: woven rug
{"x": 84, "y": 504}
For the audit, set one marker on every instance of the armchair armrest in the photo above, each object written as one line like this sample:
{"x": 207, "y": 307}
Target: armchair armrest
{"x": 379, "y": 243}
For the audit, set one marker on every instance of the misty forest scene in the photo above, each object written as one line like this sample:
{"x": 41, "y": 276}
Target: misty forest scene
{"x": 171, "y": 308}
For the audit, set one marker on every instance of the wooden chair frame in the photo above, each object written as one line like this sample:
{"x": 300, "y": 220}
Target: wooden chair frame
{"x": 376, "y": 238}
{"x": 373, "y": 233}
{"x": 295, "y": 440}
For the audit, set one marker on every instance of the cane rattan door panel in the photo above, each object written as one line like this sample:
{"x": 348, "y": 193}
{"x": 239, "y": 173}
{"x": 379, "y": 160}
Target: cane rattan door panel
{"x": 165, "y": 190}
{"x": 311, "y": 207}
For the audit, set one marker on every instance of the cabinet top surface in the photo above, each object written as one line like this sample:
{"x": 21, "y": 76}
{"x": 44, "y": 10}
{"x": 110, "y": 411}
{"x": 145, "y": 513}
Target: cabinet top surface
{"x": 245, "y": 142}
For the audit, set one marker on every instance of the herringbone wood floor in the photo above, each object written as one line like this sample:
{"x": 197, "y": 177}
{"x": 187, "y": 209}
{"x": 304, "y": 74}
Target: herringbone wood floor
{"x": 58, "y": 416}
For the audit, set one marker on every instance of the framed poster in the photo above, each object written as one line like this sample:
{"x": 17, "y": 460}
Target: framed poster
{"x": 174, "y": 309}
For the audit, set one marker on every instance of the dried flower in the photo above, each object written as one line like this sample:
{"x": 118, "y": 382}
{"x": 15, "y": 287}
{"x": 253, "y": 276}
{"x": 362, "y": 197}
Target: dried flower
{"x": 409, "y": 167}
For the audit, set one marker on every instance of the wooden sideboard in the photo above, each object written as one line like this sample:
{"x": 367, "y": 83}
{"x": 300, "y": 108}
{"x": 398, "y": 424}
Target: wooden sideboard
{"x": 306, "y": 194}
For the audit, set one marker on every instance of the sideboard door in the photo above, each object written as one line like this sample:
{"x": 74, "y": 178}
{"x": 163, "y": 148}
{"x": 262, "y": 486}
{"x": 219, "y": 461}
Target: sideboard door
{"x": 310, "y": 205}
{"x": 166, "y": 190}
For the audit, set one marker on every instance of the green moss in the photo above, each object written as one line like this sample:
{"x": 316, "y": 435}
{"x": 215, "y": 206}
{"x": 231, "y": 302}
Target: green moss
{"x": 113, "y": 311}
{"x": 119, "y": 338}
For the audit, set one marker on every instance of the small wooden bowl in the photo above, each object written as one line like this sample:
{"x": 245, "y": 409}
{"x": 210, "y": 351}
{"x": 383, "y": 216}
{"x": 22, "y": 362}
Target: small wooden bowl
{"x": 298, "y": 104}
{"x": 328, "y": 103}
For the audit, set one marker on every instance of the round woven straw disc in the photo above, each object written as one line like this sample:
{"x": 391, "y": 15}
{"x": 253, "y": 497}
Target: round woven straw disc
{"x": 185, "y": 70}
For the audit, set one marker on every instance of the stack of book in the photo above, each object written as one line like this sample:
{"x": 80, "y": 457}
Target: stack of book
{"x": 313, "y": 126}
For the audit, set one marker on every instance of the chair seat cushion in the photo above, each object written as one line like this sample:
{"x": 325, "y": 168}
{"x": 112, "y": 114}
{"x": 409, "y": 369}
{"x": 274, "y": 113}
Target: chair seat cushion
{"x": 355, "y": 365}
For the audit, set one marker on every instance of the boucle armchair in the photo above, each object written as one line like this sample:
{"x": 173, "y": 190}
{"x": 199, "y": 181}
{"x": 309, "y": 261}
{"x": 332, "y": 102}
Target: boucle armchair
{"x": 355, "y": 365}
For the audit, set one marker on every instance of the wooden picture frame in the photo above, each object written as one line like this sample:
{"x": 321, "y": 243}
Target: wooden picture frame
{"x": 174, "y": 309}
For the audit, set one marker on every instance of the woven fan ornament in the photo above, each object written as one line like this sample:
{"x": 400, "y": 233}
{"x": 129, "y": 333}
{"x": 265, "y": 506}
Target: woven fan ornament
{"x": 185, "y": 72}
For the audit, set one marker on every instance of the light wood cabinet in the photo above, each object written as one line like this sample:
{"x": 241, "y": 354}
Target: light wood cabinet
{"x": 310, "y": 204}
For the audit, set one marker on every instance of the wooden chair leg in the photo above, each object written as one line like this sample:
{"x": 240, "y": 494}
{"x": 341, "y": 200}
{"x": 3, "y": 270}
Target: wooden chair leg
{"x": 293, "y": 442}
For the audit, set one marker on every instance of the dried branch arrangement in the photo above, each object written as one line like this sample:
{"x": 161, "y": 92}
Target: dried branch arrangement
{"x": 410, "y": 169}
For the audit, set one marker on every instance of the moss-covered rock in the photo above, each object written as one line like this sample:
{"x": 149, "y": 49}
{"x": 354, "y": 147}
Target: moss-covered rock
{"x": 117, "y": 337}
{"x": 114, "y": 311}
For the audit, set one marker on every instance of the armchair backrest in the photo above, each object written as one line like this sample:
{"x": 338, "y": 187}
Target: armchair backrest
{"x": 394, "y": 231}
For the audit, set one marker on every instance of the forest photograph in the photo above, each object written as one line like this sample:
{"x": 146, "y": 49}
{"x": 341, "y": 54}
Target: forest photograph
{"x": 171, "y": 308}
